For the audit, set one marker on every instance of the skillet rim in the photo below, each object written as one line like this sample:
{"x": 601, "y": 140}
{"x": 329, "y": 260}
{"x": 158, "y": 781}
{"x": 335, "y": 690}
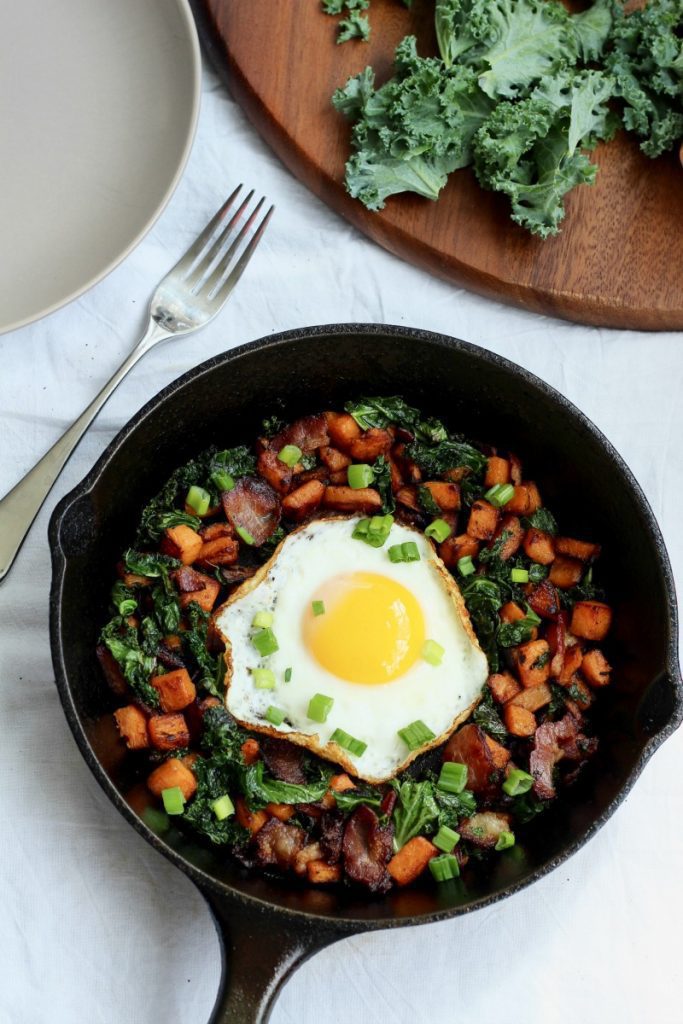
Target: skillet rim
{"x": 206, "y": 882}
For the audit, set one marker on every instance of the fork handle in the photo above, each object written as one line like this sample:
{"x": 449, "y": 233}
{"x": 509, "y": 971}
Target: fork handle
{"x": 21, "y": 505}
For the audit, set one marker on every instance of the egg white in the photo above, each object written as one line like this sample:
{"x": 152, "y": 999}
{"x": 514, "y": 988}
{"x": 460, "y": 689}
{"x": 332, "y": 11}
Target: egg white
{"x": 441, "y": 696}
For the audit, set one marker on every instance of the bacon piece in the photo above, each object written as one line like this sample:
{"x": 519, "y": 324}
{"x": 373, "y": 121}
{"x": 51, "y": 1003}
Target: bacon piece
{"x": 468, "y": 746}
{"x": 331, "y": 836}
{"x": 284, "y": 760}
{"x": 189, "y": 581}
{"x": 237, "y": 573}
{"x": 254, "y": 506}
{"x": 278, "y": 844}
{"x": 367, "y": 847}
{"x": 545, "y": 601}
{"x": 308, "y": 433}
{"x": 484, "y": 829}
{"x": 556, "y": 635}
{"x": 554, "y": 741}
{"x": 169, "y": 658}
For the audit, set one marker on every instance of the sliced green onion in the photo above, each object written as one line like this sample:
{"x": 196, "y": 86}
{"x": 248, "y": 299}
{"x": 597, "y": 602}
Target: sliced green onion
{"x": 245, "y": 535}
{"x": 432, "y": 652}
{"x": 446, "y": 838}
{"x": 127, "y": 607}
{"x": 222, "y": 481}
{"x": 318, "y": 607}
{"x": 406, "y": 552}
{"x": 360, "y": 475}
{"x": 438, "y": 530}
{"x": 174, "y": 801}
{"x": 416, "y": 734}
{"x": 156, "y": 820}
{"x": 505, "y": 841}
{"x": 444, "y": 868}
{"x": 265, "y": 642}
{"x": 373, "y": 531}
{"x": 319, "y": 707}
{"x": 198, "y": 499}
{"x": 288, "y": 675}
{"x": 453, "y": 777}
{"x": 264, "y": 678}
{"x": 290, "y": 455}
{"x": 349, "y": 743}
{"x": 518, "y": 782}
{"x": 262, "y": 620}
{"x": 223, "y": 807}
{"x": 500, "y": 494}
{"x": 466, "y": 566}
{"x": 519, "y": 575}
{"x": 275, "y": 716}
{"x": 532, "y": 616}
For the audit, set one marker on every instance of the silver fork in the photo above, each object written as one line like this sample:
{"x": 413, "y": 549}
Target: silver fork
{"x": 188, "y": 298}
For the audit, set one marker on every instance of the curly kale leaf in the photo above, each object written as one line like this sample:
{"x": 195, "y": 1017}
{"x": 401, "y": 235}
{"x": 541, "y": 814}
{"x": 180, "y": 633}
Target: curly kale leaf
{"x": 483, "y": 600}
{"x": 211, "y": 667}
{"x": 349, "y": 799}
{"x": 416, "y": 811}
{"x": 382, "y": 473}
{"x": 137, "y": 663}
{"x": 222, "y": 735}
{"x": 592, "y": 28}
{"x": 215, "y": 777}
{"x": 381, "y": 412}
{"x": 542, "y": 519}
{"x": 260, "y": 789}
{"x": 453, "y": 807}
{"x": 356, "y": 26}
{"x": 486, "y": 716}
{"x": 450, "y": 454}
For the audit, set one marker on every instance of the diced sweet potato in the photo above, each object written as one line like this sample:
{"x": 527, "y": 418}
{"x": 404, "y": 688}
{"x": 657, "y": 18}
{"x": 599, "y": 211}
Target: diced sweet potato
{"x": 221, "y": 551}
{"x": 595, "y": 668}
{"x": 446, "y": 495}
{"x": 274, "y": 470}
{"x": 251, "y": 820}
{"x": 176, "y": 690}
{"x": 565, "y": 572}
{"x": 411, "y": 860}
{"x": 511, "y": 612}
{"x": 581, "y": 694}
{"x": 532, "y": 661}
{"x": 132, "y": 725}
{"x": 112, "y": 671}
{"x": 215, "y": 530}
{"x": 181, "y": 542}
{"x": 499, "y": 753}
{"x": 173, "y": 642}
{"x": 483, "y": 520}
{"x": 519, "y": 721}
{"x": 208, "y": 702}
{"x": 172, "y": 773}
{"x": 591, "y": 620}
{"x": 397, "y": 480}
{"x": 571, "y": 663}
{"x": 334, "y": 459}
{"x": 320, "y": 873}
{"x": 343, "y": 429}
{"x": 196, "y": 586}
{"x": 319, "y": 473}
{"x": 346, "y": 499}
{"x": 455, "y": 548}
{"x": 370, "y": 445}
{"x": 304, "y": 500}
{"x": 340, "y": 783}
{"x": 581, "y": 549}
{"x": 503, "y": 686}
{"x": 545, "y": 601}
{"x": 516, "y": 474}
{"x": 510, "y": 533}
{"x": 168, "y": 732}
{"x": 410, "y": 471}
{"x": 338, "y": 478}
{"x": 539, "y": 546}
{"x": 497, "y": 471}
{"x": 131, "y": 579}
{"x": 525, "y": 500}
{"x": 407, "y": 496}
{"x": 533, "y": 698}
{"x": 283, "y": 812}
{"x": 250, "y": 751}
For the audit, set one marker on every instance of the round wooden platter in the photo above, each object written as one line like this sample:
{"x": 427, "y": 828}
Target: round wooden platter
{"x": 618, "y": 261}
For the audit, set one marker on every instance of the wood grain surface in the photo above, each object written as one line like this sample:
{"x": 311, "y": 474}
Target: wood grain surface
{"x": 618, "y": 261}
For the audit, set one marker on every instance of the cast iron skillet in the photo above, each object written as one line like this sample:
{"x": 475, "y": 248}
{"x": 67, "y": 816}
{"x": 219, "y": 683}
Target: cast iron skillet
{"x": 269, "y": 928}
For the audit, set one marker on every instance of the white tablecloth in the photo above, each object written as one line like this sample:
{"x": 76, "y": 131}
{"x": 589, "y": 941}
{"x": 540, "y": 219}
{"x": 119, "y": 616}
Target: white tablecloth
{"x": 96, "y": 927}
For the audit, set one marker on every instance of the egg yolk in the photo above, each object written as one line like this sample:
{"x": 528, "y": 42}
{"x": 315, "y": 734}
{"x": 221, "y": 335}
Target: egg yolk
{"x": 371, "y": 631}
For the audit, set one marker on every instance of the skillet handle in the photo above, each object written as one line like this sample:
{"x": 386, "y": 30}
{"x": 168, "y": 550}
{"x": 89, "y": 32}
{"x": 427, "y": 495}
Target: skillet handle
{"x": 260, "y": 950}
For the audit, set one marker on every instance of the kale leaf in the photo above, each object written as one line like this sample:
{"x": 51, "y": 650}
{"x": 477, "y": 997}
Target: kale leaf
{"x": 356, "y": 26}
{"x": 137, "y": 664}
{"x": 448, "y": 454}
{"x": 214, "y": 777}
{"x": 382, "y": 474}
{"x": 260, "y": 789}
{"x": 416, "y": 811}
{"x": 349, "y": 799}
{"x": 427, "y": 503}
{"x": 211, "y": 667}
{"x": 486, "y": 716}
{"x": 381, "y": 412}
{"x": 453, "y": 807}
{"x": 542, "y": 519}
{"x": 483, "y": 600}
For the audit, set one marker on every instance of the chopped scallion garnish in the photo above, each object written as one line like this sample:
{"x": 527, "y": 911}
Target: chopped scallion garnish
{"x": 288, "y": 675}
{"x": 275, "y": 716}
{"x": 500, "y": 494}
{"x": 264, "y": 678}
{"x": 416, "y": 734}
{"x": 262, "y": 620}
{"x": 245, "y": 535}
{"x": 518, "y": 782}
{"x": 466, "y": 566}
{"x": 360, "y": 475}
{"x": 198, "y": 500}
{"x": 453, "y": 777}
{"x": 373, "y": 531}
{"x": 519, "y": 575}
{"x": 432, "y": 652}
{"x": 446, "y": 838}
{"x": 290, "y": 455}
{"x": 438, "y": 530}
{"x": 156, "y": 820}
{"x": 319, "y": 707}
{"x": 406, "y": 552}
{"x": 222, "y": 481}
{"x": 265, "y": 642}
{"x": 445, "y": 867}
{"x": 346, "y": 742}
{"x": 505, "y": 841}
{"x": 318, "y": 607}
{"x": 223, "y": 807}
{"x": 174, "y": 801}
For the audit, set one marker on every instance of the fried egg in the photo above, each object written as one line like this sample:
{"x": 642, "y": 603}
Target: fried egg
{"x": 380, "y": 645}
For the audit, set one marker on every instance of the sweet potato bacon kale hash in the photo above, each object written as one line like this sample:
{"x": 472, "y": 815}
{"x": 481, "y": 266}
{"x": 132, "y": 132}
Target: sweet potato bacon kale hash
{"x": 270, "y": 802}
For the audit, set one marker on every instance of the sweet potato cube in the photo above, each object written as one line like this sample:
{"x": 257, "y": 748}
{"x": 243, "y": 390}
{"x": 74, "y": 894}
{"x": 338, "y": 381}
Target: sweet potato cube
{"x": 251, "y": 820}
{"x": 525, "y": 500}
{"x": 274, "y": 470}
{"x": 565, "y": 572}
{"x": 595, "y": 668}
{"x": 545, "y": 601}
{"x": 250, "y": 751}
{"x": 411, "y": 860}
{"x": 338, "y": 478}
{"x": 283, "y": 812}
{"x": 407, "y": 496}
{"x": 342, "y": 428}
{"x": 503, "y": 686}
{"x": 341, "y": 783}
{"x": 334, "y": 459}
{"x": 571, "y": 663}
{"x": 320, "y": 873}
{"x": 533, "y": 698}
{"x": 532, "y": 661}
{"x": 204, "y": 597}
{"x": 181, "y": 542}
{"x": 510, "y": 533}
{"x": 346, "y": 499}
{"x": 581, "y": 549}
{"x": 483, "y": 520}
{"x": 168, "y": 732}
{"x": 497, "y": 471}
{"x": 176, "y": 689}
{"x": 591, "y": 620}
{"x": 132, "y": 725}
{"x": 172, "y": 773}
{"x": 519, "y": 721}
{"x": 499, "y": 753}
{"x": 370, "y": 445}
{"x": 511, "y": 612}
{"x": 446, "y": 495}
{"x": 455, "y": 548}
{"x": 304, "y": 500}
{"x": 215, "y": 530}
{"x": 581, "y": 694}
{"x": 539, "y": 546}
{"x": 221, "y": 551}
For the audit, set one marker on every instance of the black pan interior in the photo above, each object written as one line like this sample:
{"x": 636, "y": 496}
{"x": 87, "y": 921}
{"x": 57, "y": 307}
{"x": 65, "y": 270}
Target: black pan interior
{"x": 223, "y": 402}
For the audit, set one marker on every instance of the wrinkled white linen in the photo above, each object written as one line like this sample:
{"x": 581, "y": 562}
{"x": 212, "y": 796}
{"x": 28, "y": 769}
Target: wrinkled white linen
{"x": 99, "y": 929}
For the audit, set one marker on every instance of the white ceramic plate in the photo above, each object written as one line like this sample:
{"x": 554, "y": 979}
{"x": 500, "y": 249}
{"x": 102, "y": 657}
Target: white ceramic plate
{"x": 98, "y": 106}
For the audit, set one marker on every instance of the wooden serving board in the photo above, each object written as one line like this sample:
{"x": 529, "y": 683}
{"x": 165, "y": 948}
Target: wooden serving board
{"x": 618, "y": 261}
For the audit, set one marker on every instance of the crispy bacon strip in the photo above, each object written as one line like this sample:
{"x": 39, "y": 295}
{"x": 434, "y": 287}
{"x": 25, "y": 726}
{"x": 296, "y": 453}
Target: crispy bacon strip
{"x": 308, "y": 433}
{"x": 554, "y": 741}
{"x": 331, "y": 836}
{"x": 188, "y": 580}
{"x": 254, "y": 506}
{"x": 367, "y": 849}
{"x": 284, "y": 760}
{"x": 278, "y": 844}
{"x": 468, "y": 746}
